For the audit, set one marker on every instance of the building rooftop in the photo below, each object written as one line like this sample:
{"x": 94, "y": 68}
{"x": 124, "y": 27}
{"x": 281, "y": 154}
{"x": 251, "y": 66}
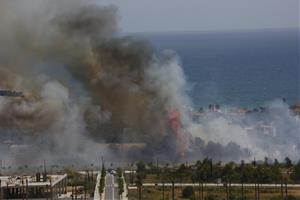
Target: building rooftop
{"x": 13, "y": 181}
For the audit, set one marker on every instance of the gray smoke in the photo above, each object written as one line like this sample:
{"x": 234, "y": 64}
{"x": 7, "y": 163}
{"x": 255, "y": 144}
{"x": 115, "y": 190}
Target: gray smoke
{"x": 83, "y": 84}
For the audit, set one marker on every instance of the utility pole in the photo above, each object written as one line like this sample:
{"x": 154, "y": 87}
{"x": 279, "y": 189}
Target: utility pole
{"x": 202, "y": 191}
{"x": 139, "y": 184}
{"x": 281, "y": 188}
{"x": 227, "y": 190}
{"x": 45, "y": 166}
{"x": 0, "y": 190}
{"x": 72, "y": 188}
{"x": 242, "y": 179}
{"x": 47, "y": 192}
{"x": 173, "y": 191}
{"x": 75, "y": 192}
{"x": 85, "y": 185}
{"x": 7, "y": 191}
{"x": 27, "y": 189}
{"x": 140, "y": 192}
{"x": 258, "y": 191}
{"x": 22, "y": 191}
{"x": 211, "y": 168}
{"x": 242, "y": 190}
{"x": 255, "y": 190}
{"x": 51, "y": 190}
{"x": 157, "y": 171}
{"x": 92, "y": 175}
{"x": 199, "y": 191}
{"x": 286, "y": 189}
{"x": 163, "y": 190}
{"x": 102, "y": 160}
{"x": 131, "y": 174}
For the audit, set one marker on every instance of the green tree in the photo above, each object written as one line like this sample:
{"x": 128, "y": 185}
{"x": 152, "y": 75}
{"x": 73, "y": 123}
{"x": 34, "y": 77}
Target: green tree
{"x": 119, "y": 172}
{"x": 141, "y": 170}
{"x": 291, "y": 197}
{"x": 296, "y": 172}
{"x": 288, "y": 162}
{"x": 275, "y": 172}
{"x": 139, "y": 184}
{"x": 266, "y": 161}
{"x": 183, "y": 173}
{"x": 276, "y": 163}
{"x": 188, "y": 192}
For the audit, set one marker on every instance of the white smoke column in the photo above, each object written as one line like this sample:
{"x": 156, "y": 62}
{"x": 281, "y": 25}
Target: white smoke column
{"x": 286, "y": 140}
{"x": 167, "y": 77}
{"x": 68, "y": 130}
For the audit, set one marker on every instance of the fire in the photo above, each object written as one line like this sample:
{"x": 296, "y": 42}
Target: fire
{"x": 177, "y": 128}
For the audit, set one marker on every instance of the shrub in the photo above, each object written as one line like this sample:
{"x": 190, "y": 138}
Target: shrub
{"x": 188, "y": 192}
{"x": 121, "y": 185}
{"x": 211, "y": 197}
{"x": 291, "y": 197}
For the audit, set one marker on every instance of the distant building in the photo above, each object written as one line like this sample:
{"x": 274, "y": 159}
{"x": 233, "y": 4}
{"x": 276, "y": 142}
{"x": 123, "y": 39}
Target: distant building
{"x": 11, "y": 93}
{"x": 28, "y": 187}
{"x": 296, "y": 108}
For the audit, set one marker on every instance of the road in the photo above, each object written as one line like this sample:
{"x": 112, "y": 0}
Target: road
{"x": 111, "y": 190}
{"x": 216, "y": 185}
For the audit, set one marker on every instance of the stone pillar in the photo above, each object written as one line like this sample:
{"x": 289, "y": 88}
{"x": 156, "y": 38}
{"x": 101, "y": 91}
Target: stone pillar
{"x": 60, "y": 188}
{"x": 51, "y": 192}
{"x": 1, "y": 193}
{"x": 55, "y": 193}
{"x": 47, "y": 192}
{"x": 35, "y": 191}
{"x": 65, "y": 186}
{"x": 15, "y": 192}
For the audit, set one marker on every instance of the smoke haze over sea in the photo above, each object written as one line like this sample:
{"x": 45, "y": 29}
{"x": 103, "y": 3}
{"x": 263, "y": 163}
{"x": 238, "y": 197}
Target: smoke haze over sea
{"x": 238, "y": 68}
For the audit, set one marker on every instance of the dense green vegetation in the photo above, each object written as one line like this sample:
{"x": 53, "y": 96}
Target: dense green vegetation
{"x": 120, "y": 181}
{"x": 188, "y": 192}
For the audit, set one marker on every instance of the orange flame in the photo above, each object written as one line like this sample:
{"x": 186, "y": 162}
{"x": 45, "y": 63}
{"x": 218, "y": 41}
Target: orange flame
{"x": 181, "y": 136}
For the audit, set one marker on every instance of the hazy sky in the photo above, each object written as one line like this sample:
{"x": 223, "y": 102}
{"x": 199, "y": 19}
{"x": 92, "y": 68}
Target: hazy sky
{"x": 187, "y": 15}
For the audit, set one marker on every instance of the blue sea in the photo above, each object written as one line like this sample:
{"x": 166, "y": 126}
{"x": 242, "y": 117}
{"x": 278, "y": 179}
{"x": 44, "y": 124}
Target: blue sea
{"x": 237, "y": 68}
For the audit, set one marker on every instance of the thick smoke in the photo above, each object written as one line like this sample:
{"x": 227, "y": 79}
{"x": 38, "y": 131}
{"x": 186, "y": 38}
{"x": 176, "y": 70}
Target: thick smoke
{"x": 84, "y": 86}
{"x": 82, "y": 83}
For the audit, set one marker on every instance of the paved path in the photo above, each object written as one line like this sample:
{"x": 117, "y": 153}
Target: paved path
{"x": 111, "y": 190}
{"x": 217, "y": 185}
{"x": 96, "y": 193}
{"x": 125, "y": 193}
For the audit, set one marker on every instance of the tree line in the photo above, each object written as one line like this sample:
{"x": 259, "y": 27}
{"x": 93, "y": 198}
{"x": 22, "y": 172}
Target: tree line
{"x": 207, "y": 170}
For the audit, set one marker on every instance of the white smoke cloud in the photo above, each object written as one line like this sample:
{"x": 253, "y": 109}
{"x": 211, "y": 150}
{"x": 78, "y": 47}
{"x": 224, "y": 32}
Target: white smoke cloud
{"x": 274, "y": 133}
